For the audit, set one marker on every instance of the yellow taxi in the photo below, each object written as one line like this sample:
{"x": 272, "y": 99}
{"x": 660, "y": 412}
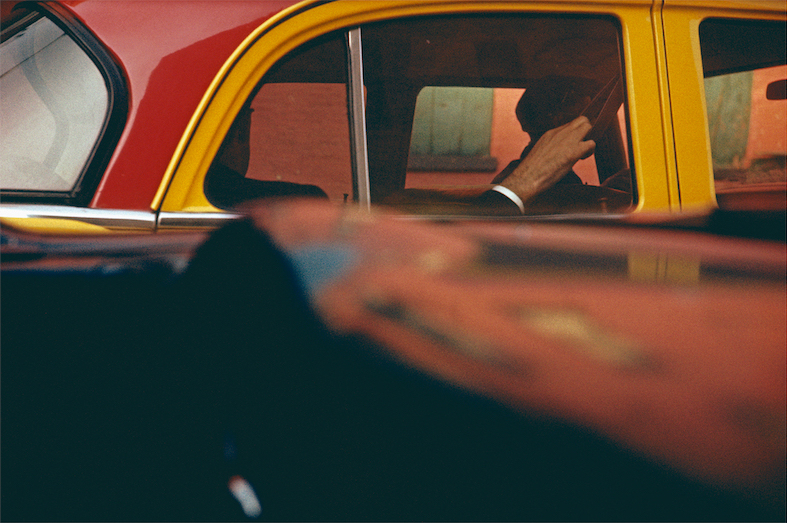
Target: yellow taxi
{"x": 416, "y": 106}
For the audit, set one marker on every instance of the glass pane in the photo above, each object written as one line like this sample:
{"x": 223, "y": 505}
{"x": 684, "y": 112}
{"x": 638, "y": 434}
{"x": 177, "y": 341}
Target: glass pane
{"x": 52, "y": 110}
{"x": 292, "y": 138}
{"x": 748, "y": 131}
{"x": 444, "y": 110}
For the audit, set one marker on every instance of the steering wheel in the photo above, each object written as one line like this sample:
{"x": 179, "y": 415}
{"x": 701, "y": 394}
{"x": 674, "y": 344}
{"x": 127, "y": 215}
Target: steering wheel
{"x": 569, "y": 198}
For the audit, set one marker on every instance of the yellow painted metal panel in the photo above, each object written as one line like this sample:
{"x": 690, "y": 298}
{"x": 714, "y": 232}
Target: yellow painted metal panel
{"x": 687, "y": 92}
{"x": 670, "y": 168}
{"x": 725, "y": 8}
{"x": 182, "y": 188}
{"x": 54, "y": 226}
{"x": 646, "y": 79}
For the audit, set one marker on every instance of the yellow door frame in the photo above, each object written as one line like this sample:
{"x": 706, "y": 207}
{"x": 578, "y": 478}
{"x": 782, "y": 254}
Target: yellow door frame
{"x": 681, "y": 19}
{"x": 181, "y": 189}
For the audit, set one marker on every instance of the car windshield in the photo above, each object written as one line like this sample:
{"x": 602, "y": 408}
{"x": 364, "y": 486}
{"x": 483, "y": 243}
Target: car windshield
{"x": 53, "y": 107}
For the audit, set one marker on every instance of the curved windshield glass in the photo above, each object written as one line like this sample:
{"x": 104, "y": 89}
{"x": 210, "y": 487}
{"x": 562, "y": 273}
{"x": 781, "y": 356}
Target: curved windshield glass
{"x": 53, "y": 106}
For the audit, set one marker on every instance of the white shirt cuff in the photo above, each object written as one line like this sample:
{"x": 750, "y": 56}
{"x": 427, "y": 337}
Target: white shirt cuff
{"x": 511, "y": 195}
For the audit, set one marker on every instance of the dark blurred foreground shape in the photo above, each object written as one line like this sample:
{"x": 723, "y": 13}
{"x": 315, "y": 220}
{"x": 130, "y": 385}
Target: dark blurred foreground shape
{"x": 135, "y": 395}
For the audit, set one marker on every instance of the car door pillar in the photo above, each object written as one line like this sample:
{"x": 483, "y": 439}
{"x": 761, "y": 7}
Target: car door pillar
{"x": 357, "y": 107}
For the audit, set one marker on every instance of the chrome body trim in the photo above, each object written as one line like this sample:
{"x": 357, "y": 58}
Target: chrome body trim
{"x": 108, "y": 218}
{"x": 194, "y": 220}
{"x": 358, "y": 119}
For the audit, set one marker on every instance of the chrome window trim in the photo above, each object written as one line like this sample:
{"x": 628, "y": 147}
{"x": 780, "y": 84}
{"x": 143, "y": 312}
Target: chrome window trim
{"x": 358, "y": 119}
{"x": 194, "y": 220}
{"x": 108, "y": 218}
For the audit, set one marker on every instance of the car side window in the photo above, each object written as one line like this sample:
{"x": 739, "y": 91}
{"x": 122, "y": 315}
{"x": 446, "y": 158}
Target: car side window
{"x": 54, "y": 106}
{"x": 454, "y": 101}
{"x": 292, "y": 136}
{"x": 451, "y": 103}
{"x": 745, "y": 75}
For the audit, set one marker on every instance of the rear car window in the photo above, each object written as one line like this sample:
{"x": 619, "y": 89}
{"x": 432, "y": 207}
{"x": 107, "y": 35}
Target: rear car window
{"x": 54, "y": 106}
{"x": 745, "y": 72}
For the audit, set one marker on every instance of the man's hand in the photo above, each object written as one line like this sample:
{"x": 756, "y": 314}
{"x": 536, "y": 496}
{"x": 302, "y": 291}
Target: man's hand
{"x": 553, "y": 155}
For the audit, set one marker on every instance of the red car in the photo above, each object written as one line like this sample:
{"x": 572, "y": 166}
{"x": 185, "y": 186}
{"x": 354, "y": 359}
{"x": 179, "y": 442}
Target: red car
{"x": 135, "y": 77}
{"x": 315, "y": 363}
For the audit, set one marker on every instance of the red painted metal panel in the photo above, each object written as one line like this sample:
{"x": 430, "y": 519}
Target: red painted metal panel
{"x": 171, "y": 51}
